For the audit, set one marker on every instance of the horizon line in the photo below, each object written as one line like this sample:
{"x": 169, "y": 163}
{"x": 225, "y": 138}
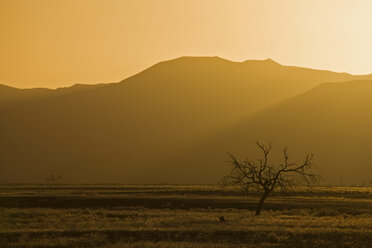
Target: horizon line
{"x": 181, "y": 57}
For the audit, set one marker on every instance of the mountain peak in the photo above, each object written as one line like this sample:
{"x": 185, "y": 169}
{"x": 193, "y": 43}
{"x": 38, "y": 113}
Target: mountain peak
{"x": 199, "y": 58}
{"x": 270, "y": 61}
{"x": 265, "y": 62}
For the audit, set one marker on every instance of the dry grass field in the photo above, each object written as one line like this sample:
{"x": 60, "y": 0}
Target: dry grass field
{"x": 178, "y": 216}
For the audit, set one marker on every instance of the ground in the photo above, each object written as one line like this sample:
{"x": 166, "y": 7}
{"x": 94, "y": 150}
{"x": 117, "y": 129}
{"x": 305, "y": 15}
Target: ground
{"x": 178, "y": 216}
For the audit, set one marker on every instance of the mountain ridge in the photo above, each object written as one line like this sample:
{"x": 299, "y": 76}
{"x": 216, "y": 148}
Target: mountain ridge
{"x": 191, "y": 58}
{"x": 136, "y": 130}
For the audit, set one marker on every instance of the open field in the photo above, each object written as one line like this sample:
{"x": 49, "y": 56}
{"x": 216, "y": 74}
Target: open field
{"x": 116, "y": 216}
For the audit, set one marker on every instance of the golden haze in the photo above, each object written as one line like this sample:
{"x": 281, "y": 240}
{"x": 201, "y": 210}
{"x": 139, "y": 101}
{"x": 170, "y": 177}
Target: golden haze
{"x": 58, "y": 43}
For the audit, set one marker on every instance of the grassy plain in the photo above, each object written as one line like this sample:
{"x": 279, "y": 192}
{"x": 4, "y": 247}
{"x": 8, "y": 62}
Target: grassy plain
{"x": 178, "y": 216}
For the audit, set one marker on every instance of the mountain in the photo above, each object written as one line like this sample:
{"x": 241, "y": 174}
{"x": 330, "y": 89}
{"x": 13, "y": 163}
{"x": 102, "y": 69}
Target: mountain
{"x": 140, "y": 129}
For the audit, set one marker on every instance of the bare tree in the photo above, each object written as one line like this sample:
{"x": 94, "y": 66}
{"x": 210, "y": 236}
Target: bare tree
{"x": 52, "y": 179}
{"x": 268, "y": 177}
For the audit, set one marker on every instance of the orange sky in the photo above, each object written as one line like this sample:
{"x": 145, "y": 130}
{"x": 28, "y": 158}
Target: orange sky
{"x": 52, "y": 43}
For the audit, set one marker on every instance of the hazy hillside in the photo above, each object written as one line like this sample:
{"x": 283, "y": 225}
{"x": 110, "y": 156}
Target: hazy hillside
{"x": 137, "y": 131}
{"x": 333, "y": 121}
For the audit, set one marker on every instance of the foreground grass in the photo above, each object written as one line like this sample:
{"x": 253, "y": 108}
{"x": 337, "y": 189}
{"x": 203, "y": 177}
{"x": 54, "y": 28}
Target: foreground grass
{"x": 179, "y": 220}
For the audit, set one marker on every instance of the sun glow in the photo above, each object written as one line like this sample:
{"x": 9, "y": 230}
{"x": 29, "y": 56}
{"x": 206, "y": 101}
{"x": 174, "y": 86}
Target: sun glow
{"x": 57, "y": 43}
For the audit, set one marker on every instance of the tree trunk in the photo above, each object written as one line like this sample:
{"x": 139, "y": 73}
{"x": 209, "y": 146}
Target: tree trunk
{"x": 260, "y": 203}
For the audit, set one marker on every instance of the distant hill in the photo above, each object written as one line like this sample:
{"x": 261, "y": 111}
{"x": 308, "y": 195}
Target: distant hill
{"x": 10, "y": 95}
{"x": 151, "y": 127}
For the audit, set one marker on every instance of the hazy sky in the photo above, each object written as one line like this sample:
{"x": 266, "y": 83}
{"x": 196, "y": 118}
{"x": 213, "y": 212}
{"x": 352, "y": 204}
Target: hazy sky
{"x": 53, "y": 43}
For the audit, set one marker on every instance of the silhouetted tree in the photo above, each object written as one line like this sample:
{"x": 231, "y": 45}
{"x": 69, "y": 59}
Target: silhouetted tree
{"x": 268, "y": 177}
{"x": 52, "y": 179}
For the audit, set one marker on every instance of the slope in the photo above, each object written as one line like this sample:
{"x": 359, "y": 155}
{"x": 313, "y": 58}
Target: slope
{"x": 333, "y": 121}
